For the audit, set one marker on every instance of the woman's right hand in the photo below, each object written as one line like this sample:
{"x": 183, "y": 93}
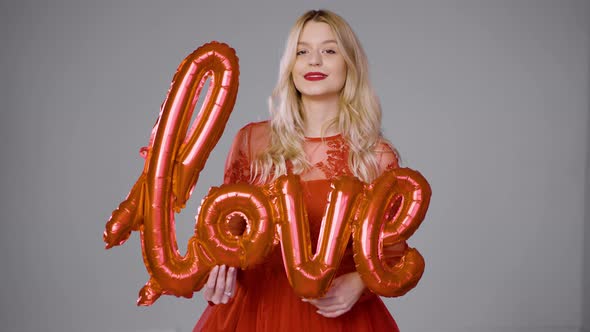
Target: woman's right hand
{"x": 221, "y": 286}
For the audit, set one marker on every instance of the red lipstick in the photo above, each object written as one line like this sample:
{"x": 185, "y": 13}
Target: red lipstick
{"x": 315, "y": 76}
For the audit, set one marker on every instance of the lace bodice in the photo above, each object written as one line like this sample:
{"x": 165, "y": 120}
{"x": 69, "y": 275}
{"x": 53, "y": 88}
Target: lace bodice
{"x": 328, "y": 155}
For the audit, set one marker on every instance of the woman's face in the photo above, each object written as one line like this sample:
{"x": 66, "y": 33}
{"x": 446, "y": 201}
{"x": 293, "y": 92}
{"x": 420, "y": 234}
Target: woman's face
{"x": 320, "y": 69}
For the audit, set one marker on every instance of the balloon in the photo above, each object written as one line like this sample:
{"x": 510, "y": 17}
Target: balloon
{"x": 376, "y": 227}
{"x": 310, "y": 274}
{"x": 218, "y": 208}
{"x": 174, "y": 159}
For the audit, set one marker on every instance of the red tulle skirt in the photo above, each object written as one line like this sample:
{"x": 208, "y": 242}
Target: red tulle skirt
{"x": 265, "y": 301}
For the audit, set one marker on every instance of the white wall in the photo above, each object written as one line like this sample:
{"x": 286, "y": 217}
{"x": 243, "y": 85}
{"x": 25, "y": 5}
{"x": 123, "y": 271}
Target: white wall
{"x": 488, "y": 99}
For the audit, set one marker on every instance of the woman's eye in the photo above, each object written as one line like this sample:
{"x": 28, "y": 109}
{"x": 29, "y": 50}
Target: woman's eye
{"x": 330, "y": 51}
{"x": 300, "y": 52}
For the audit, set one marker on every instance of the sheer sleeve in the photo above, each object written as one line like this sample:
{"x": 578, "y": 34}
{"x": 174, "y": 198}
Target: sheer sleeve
{"x": 237, "y": 164}
{"x": 237, "y": 170}
{"x": 388, "y": 159}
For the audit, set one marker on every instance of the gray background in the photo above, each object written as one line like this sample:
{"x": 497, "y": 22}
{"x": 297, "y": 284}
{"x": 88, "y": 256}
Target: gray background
{"x": 488, "y": 99}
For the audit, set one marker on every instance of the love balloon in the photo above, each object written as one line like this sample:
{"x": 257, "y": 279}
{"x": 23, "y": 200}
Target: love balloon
{"x": 174, "y": 159}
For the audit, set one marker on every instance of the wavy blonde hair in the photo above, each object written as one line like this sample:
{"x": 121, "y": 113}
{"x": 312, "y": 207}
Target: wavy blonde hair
{"x": 358, "y": 121}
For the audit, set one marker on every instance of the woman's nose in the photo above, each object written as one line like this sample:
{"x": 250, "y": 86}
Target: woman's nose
{"x": 315, "y": 58}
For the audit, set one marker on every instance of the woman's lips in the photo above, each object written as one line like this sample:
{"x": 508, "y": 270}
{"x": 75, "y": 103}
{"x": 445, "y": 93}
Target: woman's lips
{"x": 315, "y": 76}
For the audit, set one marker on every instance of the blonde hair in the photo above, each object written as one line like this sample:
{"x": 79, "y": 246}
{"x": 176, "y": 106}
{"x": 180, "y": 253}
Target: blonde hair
{"x": 359, "y": 119}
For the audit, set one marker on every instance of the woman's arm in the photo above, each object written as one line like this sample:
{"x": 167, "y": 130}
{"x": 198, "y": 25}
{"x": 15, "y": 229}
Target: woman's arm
{"x": 388, "y": 159}
{"x": 221, "y": 285}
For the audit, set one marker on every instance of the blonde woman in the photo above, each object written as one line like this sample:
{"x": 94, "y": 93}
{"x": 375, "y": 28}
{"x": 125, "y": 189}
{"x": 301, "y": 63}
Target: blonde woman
{"x": 325, "y": 122}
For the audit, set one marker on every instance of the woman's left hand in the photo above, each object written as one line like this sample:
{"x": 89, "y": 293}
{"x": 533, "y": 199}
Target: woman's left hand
{"x": 343, "y": 294}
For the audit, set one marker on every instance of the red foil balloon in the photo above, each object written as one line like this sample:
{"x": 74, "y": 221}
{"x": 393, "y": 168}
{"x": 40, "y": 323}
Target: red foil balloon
{"x": 309, "y": 274}
{"x": 215, "y": 233}
{"x": 174, "y": 159}
{"x": 374, "y": 229}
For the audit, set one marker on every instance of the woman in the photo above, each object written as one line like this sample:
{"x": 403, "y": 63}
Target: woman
{"x": 325, "y": 122}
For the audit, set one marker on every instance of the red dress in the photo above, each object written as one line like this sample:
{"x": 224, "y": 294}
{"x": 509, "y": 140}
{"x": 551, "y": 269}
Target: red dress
{"x": 264, "y": 299}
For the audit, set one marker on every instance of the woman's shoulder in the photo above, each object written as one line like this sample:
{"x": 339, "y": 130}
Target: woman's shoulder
{"x": 387, "y": 154}
{"x": 255, "y": 135}
{"x": 383, "y": 145}
{"x": 256, "y": 127}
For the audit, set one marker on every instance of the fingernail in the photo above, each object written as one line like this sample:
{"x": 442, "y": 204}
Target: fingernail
{"x": 231, "y": 269}
{"x": 304, "y": 300}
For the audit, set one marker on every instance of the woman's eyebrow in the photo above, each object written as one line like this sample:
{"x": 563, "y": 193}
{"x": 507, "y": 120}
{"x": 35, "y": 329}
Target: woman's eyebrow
{"x": 324, "y": 42}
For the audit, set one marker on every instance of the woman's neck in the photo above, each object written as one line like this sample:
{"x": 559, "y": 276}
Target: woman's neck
{"x": 318, "y": 112}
